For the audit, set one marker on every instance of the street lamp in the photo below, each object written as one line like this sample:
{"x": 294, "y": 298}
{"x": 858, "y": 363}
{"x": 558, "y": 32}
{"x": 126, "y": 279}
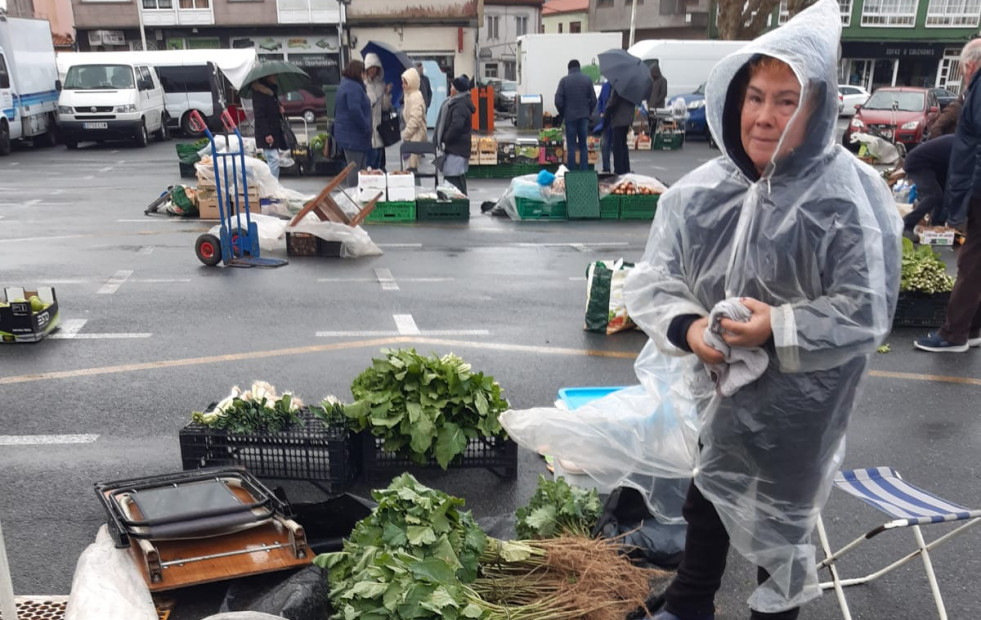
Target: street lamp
{"x": 139, "y": 13}
{"x": 633, "y": 20}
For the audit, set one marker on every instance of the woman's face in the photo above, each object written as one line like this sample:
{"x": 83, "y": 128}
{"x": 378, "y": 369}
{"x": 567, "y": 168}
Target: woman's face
{"x": 373, "y": 72}
{"x": 772, "y": 98}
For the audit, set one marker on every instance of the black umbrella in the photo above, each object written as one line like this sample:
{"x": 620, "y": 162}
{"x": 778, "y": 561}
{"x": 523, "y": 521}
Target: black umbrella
{"x": 394, "y": 63}
{"x": 289, "y": 77}
{"x": 628, "y": 75}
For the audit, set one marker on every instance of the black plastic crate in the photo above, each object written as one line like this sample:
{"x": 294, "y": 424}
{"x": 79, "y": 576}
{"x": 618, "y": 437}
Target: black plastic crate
{"x": 921, "y": 310}
{"x": 306, "y": 244}
{"x": 328, "y": 456}
{"x": 496, "y": 454}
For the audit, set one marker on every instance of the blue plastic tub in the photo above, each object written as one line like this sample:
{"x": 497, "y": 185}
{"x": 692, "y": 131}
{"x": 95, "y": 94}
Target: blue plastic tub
{"x": 575, "y": 397}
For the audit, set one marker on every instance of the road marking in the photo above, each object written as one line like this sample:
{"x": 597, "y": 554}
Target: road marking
{"x": 405, "y": 324}
{"x": 106, "y": 169}
{"x": 41, "y": 238}
{"x": 15, "y": 163}
{"x": 909, "y": 376}
{"x": 376, "y": 280}
{"x": 32, "y": 202}
{"x": 115, "y": 281}
{"x": 45, "y": 440}
{"x": 88, "y": 178}
{"x": 384, "y": 277}
{"x": 577, "y": 278}
{"x": 147, "y": 249}
{"x": 160, "y": 280}
{"x": 107, "y": 336}
{"x": 1, "y": 217}
{"x": 381, "y": 333}
{"x": 69, "y": 328}
{"x": 609, "y": 244}
{"x": 399, "y": 245}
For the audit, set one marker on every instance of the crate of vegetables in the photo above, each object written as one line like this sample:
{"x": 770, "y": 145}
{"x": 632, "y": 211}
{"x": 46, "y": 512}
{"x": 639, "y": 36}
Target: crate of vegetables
{"x": 924, "y": 288}
{"x": 429, "y": 413}
{"x": 273, "y": 437}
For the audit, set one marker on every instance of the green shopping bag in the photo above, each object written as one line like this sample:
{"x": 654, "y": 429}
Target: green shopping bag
{"x": 606, "y": 309}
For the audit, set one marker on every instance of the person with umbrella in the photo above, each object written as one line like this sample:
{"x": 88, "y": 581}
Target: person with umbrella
{"x": 380, "y": 95}
{"x": 352, "y": 119}
{"x": 264, "y": 84}
{"x": 631, "y": 82}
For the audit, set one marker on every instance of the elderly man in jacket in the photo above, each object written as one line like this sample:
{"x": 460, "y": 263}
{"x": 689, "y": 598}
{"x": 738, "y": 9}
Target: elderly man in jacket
{"x": 575, "y": 100}
{"x": 962, "y": 200}
{"x": 453, "y": 133}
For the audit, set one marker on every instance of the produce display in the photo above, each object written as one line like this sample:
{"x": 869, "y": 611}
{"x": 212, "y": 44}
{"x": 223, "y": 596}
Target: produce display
{"x": 557, "y": 508}
{"x": 629, "y": 188}
{"x": 420, "y": 556}
{"x": 429, "y": 407}
{"x": 257, "y": 409}
{"x": 36, "y": 304}
{"x": 923, "y": 271}
{"x": 318, "y": 143}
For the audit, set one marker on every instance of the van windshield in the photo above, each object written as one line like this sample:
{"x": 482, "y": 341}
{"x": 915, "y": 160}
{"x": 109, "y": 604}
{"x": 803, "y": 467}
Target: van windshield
{"x": 98, "y": 77}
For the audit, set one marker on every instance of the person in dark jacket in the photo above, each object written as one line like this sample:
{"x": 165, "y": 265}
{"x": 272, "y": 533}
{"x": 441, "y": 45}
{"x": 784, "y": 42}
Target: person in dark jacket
{"x": 962, "y": 201}
{"x": 268, "y": 114}
{"x": 946, "y": 122}
{"x": 425, "y": 87}
{"x": 658, "y": 96}
{"x": 927, "y": 166}
{"x": 575, "y": 100}
{"x": 619, "y": 115}
{"x": 352, "y": 118}
{"x": 606, "y": 139}
{"x": 453, "y": 132}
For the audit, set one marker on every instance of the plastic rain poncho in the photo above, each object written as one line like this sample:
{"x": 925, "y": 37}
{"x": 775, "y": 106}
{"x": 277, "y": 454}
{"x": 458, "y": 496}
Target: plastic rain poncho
{"x": 818, "y": 239}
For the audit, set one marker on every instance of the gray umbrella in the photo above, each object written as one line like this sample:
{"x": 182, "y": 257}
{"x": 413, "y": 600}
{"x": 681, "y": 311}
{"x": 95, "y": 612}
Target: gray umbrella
{"x": 628, "y": 75}
{"x": 289, "y": 77}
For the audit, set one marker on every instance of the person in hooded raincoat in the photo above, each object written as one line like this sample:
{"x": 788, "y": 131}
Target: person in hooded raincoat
{"x": 414, "y": 113}
{"x": 454, "y": 126}
{"x": 380, "y": 96}
{"x": 808, "y": 239}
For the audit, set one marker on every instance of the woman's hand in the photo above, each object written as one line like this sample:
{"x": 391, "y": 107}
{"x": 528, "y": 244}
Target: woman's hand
{"x": 752, "y": 333}
{"x": 388, "y": 88}
{"x": 696, "y": 340}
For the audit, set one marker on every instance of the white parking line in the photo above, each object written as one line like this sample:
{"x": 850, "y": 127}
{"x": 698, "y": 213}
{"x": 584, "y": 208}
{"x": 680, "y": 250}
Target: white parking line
{"x": 160, "y": 280}
{"x": 399, "y": 245}
{"x": 110, "y": 336}
{"x": 1, "y": 217}
{"x": 113, "y": 283}
{"x": 386, "y": 334}
{"x": 384, "y": 277}
{"x": 32, "y": 202}
{"x": 45, "y": 440}
{"x": 147, "y": 249}
{"x": 69, "y": 328}
{"x": 41, "y": 238}
{"x": 106, "y": 169}
{"x": 376, "y": 280}
{"x": 577, "y": 246}
{"x": 406, "y": 325}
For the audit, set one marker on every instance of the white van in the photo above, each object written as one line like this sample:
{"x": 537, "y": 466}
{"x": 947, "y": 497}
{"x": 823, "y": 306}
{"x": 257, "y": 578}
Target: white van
{"x": 111, "y": 102}
{"x": 202, "y": 80}
{"x": 684, "y": 63}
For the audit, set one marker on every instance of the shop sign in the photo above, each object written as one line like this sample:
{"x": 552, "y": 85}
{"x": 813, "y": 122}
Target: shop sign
{"x": 279, "y": 45}
{"x": 910, "y": 51}
{"x": 107, "y": 37}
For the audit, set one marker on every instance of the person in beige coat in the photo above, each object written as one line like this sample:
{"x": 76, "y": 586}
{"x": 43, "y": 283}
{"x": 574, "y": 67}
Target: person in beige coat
{"x": 413, "y": 113}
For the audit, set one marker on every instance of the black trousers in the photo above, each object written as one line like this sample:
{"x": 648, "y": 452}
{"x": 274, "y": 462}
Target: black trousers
{"x": 459, "y": 182}
{"x": 929, "y": 198}
{"x": 621, "y": 155}
{"x": 692, "y": 593}
{"x": 964, "y": 308}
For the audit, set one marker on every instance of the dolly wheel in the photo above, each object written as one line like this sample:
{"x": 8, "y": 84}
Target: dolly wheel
{"x": 208, "y": 249}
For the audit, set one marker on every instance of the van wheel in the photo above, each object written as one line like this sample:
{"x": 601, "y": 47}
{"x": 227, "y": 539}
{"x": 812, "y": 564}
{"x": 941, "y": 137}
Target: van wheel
{"x": 186, "y": 128}
{"x": 142, "y": 138}
{"x": 164, "y": 134}
{"x": 50, "y": 137}
{"x": 4, "y": 138}
{"x": 309, "y": 116}
{"x": 71, "y": 145}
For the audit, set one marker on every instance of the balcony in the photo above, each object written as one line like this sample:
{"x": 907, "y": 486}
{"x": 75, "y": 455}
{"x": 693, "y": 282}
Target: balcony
{"x": 185, "y": 13}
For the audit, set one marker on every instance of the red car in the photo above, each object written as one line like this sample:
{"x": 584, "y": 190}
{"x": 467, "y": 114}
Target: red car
{"x": 898, "y": 114}
{"x": 310, "y": 104}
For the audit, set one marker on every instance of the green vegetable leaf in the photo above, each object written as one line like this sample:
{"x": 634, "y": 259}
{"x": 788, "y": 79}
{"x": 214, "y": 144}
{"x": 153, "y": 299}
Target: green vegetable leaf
{"x": 450, "y": 441}
{"x": 420, "y": 535}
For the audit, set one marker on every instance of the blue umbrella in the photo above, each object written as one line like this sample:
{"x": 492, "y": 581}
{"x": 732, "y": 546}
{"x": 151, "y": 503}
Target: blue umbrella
{"x": 629, "y": 76}
{"x": 394, "y": 63}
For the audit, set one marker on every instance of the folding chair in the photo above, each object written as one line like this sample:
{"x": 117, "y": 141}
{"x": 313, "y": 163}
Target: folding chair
{"x": 909, "y": 506}
{"x": 421, "y": 149}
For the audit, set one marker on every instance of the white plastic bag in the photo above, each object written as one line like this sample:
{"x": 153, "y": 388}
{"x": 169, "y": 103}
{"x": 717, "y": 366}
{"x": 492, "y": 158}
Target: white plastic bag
{"x": 108, "y": 584}
{"x": 884, "y": 151}
{"x": 271, "y": 231}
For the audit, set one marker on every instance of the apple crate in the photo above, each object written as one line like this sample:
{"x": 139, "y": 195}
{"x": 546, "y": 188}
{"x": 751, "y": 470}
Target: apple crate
{"x": 498, "y": 454}
{"x": 329, "y": 456}
{"x": 306, "y": 244}
{"x": 921, "y": 309}
{"x": 610, "y": 207}
{"x": 668, "y": 141}
{"x": 393, "y": 212}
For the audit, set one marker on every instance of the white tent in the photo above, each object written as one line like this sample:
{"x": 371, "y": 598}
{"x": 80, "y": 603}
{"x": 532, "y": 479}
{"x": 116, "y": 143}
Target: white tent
{"x": 234, "y": 64}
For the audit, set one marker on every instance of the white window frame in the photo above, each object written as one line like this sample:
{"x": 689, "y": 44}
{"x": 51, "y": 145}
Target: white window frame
{"x": 884, "y": 15}
{"x": 156, "y": 5}
{"x": 845, "y": 6}
{"x": 953, "y": 14}
{"x": 521, "y": 25}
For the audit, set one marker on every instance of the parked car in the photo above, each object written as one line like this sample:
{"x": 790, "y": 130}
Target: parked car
{"x": 309, "y": 103}
{"x": 898, "y": 114}
{"x": 505, "y": 96}
{"x": 850, "y": 97}
{"x": 944, "y": 96}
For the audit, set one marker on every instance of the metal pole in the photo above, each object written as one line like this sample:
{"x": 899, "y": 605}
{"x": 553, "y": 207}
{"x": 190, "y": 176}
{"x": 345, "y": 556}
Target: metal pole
{"x": 633, "y": 22}
{"x": 7, "y": 606}
{"x": 139, "y": 12}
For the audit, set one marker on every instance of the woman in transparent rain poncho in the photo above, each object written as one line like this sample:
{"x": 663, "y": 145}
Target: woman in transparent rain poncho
{"x": 808, "y": 238}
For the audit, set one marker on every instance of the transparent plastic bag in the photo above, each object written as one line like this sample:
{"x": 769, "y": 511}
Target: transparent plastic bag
{"x": 355, "y": 241}
{"x": 108, "y": 584}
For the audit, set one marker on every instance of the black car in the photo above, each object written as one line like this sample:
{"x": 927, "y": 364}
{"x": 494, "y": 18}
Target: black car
{"x": 944, "y": 96}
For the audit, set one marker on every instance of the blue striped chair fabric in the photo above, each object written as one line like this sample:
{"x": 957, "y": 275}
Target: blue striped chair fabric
{"x": 883, "y": 489}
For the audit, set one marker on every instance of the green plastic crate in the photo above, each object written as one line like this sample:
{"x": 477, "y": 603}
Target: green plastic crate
{"x": 582, "y": 194}
{"x": 638, "y": 207}
{"x": 610, "y": 207}
{"x": 668, "y": 141}
{"x": 535, "y": 210}
{"x": 433, "y": 210}
{"x": 393, "y": 212}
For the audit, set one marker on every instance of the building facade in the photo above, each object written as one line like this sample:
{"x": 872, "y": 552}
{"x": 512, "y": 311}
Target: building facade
{"x": 561, "y": 16}
{"x": 899, "y": 42}
{"x": 504, "y": 21}
{"x": 443, "y": 31}
{"x": 59, "y": 15}
{"x": 655, "y": 19}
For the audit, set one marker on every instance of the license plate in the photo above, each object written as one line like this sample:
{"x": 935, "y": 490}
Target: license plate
{"x": 95, "y": 125}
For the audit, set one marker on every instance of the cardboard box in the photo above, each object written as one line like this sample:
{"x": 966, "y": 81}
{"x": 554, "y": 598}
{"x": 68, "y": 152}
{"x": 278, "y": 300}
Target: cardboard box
{"x": 402, "y": 194}
{"x": 487, "y": 159}
{"x": 505, "y": 152}
{"x": 18, "y": 321}
{"x": 401, "y": 179}
{"x": 208, "y": 202}
{"x": 643, "y": 142}
{"x": 526, "y": 151}
{"x": 372, "y": 181}
{"x": 937, "y": 235}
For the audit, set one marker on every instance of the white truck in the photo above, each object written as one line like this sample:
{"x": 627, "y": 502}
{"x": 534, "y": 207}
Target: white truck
{"x": 28, "y": 82}
{"x": 684, "y": 63}
{"x": 543, "y": 59}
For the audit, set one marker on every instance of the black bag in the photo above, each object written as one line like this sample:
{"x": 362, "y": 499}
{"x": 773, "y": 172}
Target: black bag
{"x": 288, "y": 134}
{"x": 389, "y": 130}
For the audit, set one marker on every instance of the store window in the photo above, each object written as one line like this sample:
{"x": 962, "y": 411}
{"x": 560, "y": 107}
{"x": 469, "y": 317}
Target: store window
{"x": 490, "y": 70}
{"x": 575, "y": 26}
{"x": 195, "y": 4}
{"x": 889, "y": 13}
{"x": 153, "y": 5}
{"x": 671, "y": 7}
{"x": 953, "y": 13}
